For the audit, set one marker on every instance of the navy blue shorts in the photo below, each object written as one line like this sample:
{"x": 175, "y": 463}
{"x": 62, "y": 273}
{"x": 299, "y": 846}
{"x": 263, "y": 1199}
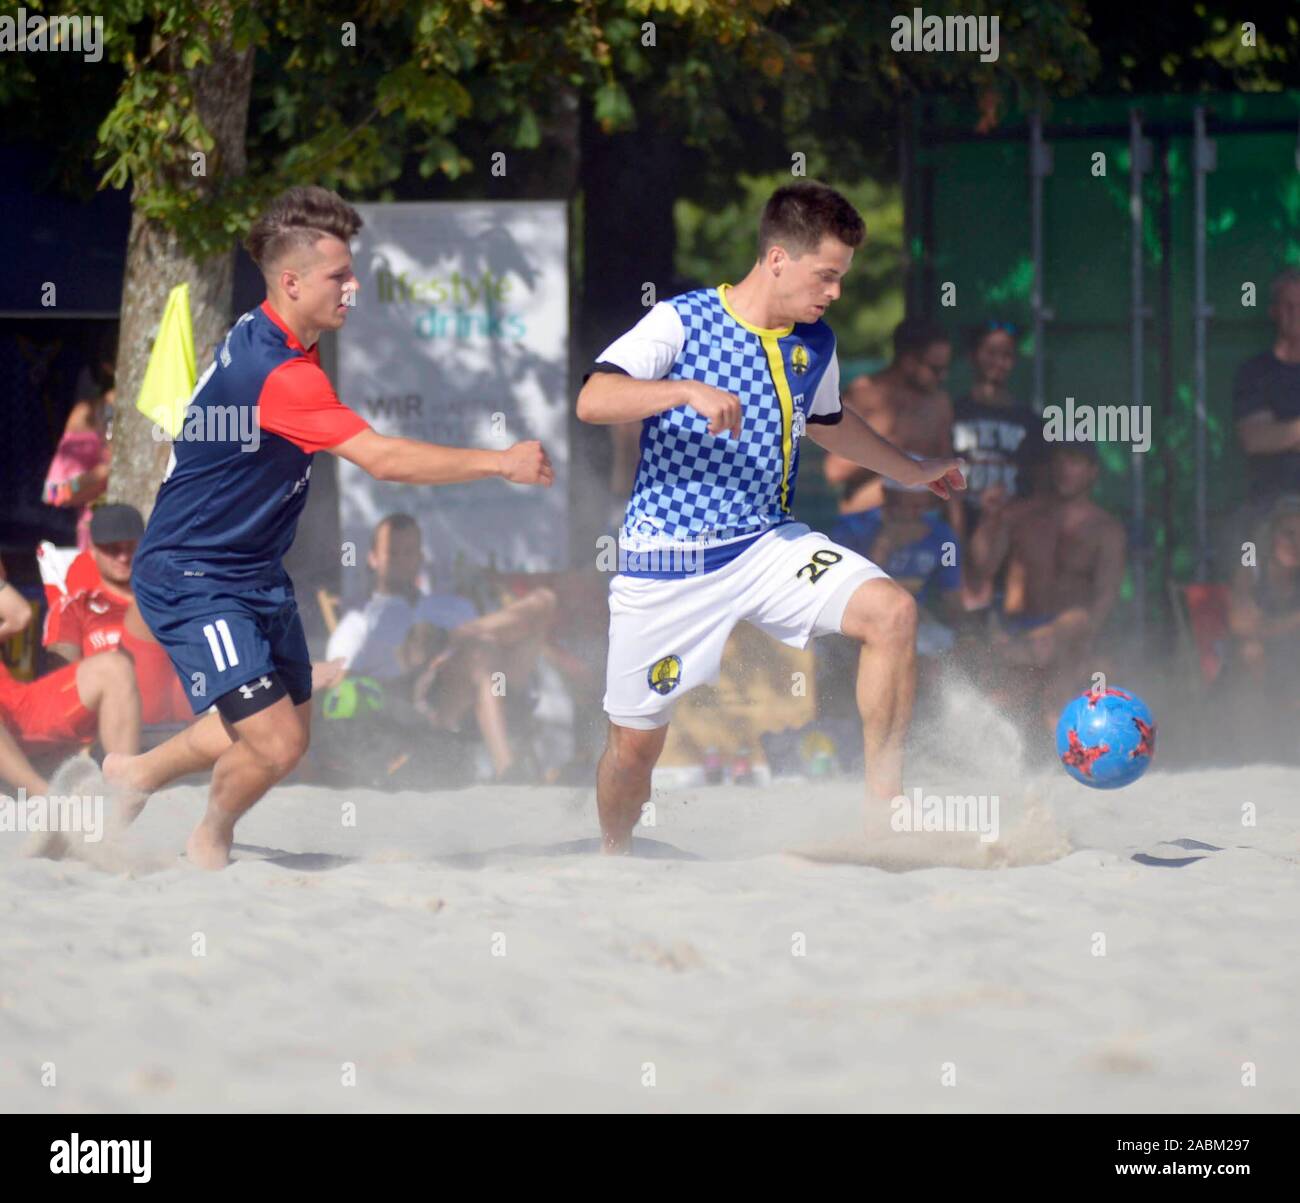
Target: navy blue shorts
{"x": 220, "y": 637}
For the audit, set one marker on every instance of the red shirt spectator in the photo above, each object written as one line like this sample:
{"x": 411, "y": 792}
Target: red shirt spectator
{"x": 88, "y": 611}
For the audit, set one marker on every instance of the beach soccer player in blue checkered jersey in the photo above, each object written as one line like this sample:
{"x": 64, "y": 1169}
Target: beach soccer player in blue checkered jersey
{"x": 208, "y": 577}
{"x": 726, "y": 381}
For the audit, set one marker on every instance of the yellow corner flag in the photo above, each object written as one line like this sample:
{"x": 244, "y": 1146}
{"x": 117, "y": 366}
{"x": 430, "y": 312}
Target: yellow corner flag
{"x": 169, "y": 378}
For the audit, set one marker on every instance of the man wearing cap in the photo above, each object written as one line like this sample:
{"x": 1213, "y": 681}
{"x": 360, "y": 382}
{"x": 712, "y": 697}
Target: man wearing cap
{"x": 90, "y": 620}
{"x": 1065, "y": 561}
{"x": 93, "y": 620}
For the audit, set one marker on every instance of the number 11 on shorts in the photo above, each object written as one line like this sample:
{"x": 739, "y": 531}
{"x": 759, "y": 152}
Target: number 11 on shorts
{"x": 230, "y": 657}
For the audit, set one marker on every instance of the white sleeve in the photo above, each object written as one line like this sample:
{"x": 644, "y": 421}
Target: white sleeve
{"x": 826, "y": 400}
{"x": 348, "y": 638}
{"x": 649, "y": 350}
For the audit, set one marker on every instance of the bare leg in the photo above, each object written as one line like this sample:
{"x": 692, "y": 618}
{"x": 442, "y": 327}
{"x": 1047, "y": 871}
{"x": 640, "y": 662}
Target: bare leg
{"x": 264, "y": 749}
{"x": 16, "y": 770}
{"x": 188, "y": 751}
{"x": 464, "y": 682}
{"x": 106, "y": 685}
{"x": 623, "y": 782}
{"x": 490, "y": 711}
{"x": 881, "y": 615}
{"x": 527, "y": 617}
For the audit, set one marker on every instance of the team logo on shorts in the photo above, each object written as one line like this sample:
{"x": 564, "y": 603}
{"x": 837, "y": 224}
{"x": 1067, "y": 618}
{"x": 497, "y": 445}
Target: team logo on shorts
{"x": 799, "y": 359}
{"x": 665, "y": 674}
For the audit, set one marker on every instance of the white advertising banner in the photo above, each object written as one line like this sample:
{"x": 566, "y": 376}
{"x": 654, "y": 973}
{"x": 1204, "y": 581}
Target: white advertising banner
{"x": 460, "y": 337}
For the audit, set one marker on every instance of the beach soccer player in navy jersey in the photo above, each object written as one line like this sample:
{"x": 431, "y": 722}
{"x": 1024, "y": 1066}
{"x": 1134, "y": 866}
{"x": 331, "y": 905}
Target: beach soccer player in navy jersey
{"x": 208, "y": 578}
{"x": 725, "y": 381}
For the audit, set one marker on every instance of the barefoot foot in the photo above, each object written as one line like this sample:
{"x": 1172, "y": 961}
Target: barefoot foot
{"x": 207, "y": 848}
{"x": 128, "y": 792}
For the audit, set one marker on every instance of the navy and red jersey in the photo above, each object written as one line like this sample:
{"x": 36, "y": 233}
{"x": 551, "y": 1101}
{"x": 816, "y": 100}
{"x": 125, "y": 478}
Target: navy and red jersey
{"x": 228, "y": 508}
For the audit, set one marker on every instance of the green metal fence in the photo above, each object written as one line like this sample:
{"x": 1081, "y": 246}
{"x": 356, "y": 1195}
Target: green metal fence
{"x": 979, "y": 219}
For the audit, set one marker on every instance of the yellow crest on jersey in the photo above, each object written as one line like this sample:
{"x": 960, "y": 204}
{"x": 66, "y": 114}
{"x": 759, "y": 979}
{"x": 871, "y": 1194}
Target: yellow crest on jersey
{"x": 799, "y": 359}
{"x": 665, "y": 674}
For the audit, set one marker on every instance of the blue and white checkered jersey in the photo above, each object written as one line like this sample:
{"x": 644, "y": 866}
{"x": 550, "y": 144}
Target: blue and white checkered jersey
{"x": 699, "y": 499}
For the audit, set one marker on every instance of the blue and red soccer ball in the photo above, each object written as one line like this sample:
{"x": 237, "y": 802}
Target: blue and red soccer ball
{"x": 1106, "y": 738}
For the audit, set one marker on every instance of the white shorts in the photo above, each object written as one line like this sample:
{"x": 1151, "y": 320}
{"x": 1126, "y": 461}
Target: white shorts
{"x": 666, "y": 636}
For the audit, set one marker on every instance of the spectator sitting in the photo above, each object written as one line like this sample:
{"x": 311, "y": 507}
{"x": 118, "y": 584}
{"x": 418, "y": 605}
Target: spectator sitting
{"x": 1266, "y": 405}
{"x": 1065, "y": 560}
{"x": 906, "y": 403}
{"x": 912, "y": 543}
{"x": 73, "y": 704}
{"x": 78, "y": 473}
{"x": 1000, "y": 437}
{"x": 69, "y": 705}
{"x": 87, "y": 621}
{"x": 437, "y": 646}
{"x": 1264, "y": 621}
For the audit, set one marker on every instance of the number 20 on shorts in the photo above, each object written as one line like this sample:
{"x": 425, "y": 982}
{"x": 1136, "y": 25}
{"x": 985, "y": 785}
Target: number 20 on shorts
{"x": 821, "y": 561}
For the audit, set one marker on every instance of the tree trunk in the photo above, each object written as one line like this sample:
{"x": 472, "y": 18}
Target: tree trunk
{"x": 156, "y": 262}
{"x": 628, "y": 240}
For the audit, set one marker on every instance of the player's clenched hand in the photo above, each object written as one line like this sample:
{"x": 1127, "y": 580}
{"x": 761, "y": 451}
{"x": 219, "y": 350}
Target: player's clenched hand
{"x": 722, "y": 409}
{"x": 941, "y": 475}
{"x": 527, "y": 464}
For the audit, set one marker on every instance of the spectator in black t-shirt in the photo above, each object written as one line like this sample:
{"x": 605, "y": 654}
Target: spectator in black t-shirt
{"x": 999, "y": 437}
{"x": 1266, "y": 402}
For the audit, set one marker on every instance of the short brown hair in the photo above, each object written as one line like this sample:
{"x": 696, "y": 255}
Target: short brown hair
{"x": 395, "y": 522}
{"x": 798, "y": 216}
{"x": 298, "y": 218}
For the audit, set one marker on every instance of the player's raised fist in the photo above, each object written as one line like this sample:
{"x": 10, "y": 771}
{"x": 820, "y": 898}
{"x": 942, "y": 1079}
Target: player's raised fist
{"x": 722, "y": 409}
{"x": 941, "y": 475}
{"x": 527, "y": 464}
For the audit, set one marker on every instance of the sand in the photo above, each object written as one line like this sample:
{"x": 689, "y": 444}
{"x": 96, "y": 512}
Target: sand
{"x": 453, "y": 951}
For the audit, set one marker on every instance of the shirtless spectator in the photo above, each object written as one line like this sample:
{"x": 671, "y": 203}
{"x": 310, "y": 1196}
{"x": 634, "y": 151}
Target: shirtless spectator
{"x": 437, "y": 646}
{"x": 913, "y": 543}
{"x": 88, "y": 621}
{"x": 1264, "y": 621}
{"x": 1065, "y": 562}
{"x": 1266, "y": 405}
{"x": 906, "y": 403}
